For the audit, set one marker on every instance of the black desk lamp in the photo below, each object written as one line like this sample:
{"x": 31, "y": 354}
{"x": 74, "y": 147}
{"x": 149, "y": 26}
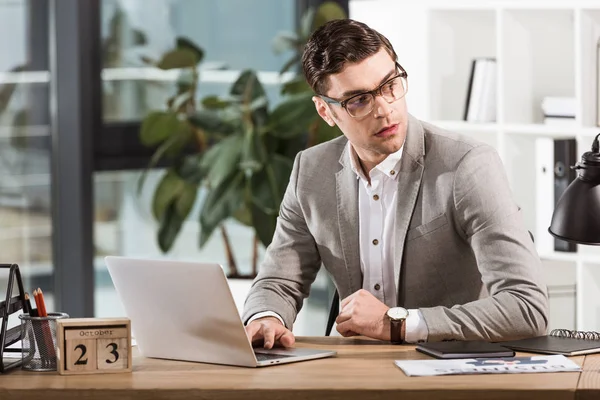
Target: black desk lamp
{"x": 576, "y": 217}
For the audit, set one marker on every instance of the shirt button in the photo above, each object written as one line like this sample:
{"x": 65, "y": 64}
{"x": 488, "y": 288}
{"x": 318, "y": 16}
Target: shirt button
{"x": 377, "y": 287}
{"x": 375, "y": 242}
{"x": 392, "y": 172}
{"x": 375, "y": 197}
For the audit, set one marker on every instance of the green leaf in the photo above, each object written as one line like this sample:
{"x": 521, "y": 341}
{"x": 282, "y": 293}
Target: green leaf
{"x": 253, "y": 154}
{"x": 190, "y": 169}
{"x": 223, "y": 159}
{"x": 186, "y": 44}
{"x": 326, "y": 12}
{"x": 264, "y": 225}
{"x": 158, "y": 126}
{"x": 243, "y": 215}
{"x": 248, "y": 87}
{"x": 221, "y": 203}
{"x": 284, "y": 41}
{"x": 263, "y": 195}
{"x": 171, "y": 147}
{"x": 215, "y": 103}
{"x": 165, "y": 193}
{"x": 186, "y": 200}
{"x": 213, "y": 122}
{"x": 295, "y": 86}
{"x": 170, "y": 226}
{"x": 180, "y": 58}
{"x": 292, "y": 116}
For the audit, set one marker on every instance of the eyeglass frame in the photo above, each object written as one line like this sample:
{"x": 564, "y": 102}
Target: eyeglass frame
{"x": 375, "y": 92}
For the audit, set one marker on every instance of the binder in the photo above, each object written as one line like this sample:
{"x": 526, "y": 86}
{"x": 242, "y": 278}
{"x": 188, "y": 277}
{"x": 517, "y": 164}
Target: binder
{"x": 544, "y": 202}
{"x": 564, "y": 157}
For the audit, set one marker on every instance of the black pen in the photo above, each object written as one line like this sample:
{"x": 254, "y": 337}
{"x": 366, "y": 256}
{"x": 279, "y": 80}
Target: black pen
{"x": 30, "y": 310}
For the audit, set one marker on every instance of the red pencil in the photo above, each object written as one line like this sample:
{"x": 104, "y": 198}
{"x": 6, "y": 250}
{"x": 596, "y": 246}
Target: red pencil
{"x": 42, "y": 306}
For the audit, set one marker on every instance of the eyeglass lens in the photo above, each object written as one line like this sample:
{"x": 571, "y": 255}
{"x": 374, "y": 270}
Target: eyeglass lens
{"x": 363, "y": 103}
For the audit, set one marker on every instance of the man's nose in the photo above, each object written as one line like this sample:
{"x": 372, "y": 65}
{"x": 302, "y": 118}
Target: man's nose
{"x": 381, "y": 107}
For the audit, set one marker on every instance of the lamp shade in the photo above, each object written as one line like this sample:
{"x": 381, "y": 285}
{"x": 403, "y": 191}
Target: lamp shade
{"x": 576, "y": 217}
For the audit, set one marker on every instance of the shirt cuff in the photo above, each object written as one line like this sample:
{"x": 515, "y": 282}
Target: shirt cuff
{"x": 268, "y": 314}
{"x": 416, "y": 329}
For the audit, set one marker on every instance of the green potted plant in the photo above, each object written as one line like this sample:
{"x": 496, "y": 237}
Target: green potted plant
{"x": 237, "y": 148}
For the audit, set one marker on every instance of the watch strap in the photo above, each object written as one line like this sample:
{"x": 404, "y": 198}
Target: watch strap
{"x": 396, "y": 331}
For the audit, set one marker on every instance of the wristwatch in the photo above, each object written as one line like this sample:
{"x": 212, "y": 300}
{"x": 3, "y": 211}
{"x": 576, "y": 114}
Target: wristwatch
{"x": 397, "y": 316}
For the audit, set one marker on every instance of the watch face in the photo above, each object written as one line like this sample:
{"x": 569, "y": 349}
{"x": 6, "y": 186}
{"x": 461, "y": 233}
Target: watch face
{"x": 397, "y": 313}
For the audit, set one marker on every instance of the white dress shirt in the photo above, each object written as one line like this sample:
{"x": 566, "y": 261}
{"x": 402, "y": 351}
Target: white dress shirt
{"x": 377, "y": 204}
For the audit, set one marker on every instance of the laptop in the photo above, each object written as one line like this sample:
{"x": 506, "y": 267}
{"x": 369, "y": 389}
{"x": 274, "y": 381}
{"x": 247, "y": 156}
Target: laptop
{"x": 185, "y": 311}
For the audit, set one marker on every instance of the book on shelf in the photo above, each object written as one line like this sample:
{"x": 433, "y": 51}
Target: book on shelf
{"x": 559, "y": 107}
{"x": 567, "y": 122}
{"x": 559, "y": 341}
{"x": 480, "y": 105}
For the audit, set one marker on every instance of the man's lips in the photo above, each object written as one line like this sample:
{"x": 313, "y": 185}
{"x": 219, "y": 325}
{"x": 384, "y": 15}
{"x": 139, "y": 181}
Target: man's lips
{"x": 387, "y": 131}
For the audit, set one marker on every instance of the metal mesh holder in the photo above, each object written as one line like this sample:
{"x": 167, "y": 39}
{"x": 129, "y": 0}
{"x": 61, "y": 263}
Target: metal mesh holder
{"x": 39, "y": 341}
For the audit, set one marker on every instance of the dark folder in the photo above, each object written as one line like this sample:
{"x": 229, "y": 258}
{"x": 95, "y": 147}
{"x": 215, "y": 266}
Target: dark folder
{"x": 460, "y": 349}
{"x": 555, "y": 345}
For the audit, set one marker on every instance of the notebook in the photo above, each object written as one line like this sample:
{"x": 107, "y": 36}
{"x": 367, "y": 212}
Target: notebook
{"x": 460, "y": 349}
{"x": 559, "y": 341}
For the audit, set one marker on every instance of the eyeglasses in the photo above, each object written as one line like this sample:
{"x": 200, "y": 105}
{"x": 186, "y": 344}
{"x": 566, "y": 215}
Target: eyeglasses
{"x": 362, "y": 104}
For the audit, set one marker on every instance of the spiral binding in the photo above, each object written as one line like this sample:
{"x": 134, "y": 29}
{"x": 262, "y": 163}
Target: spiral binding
{"x": 566, "y": 333}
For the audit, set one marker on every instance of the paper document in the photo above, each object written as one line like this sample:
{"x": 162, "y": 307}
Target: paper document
{"x": 508, "y": 365}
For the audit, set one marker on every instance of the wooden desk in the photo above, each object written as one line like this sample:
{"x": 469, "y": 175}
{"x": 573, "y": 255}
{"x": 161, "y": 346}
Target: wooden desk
{"x": 363, "y": 369}
{"x": 588, "y": 387}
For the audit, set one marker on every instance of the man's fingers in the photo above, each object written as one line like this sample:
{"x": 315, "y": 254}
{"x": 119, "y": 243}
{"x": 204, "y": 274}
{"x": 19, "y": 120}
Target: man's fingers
{"x": 268, "y": 336}
{"x": 344, "y": 315}
{"x": 286, "y": 338}
{"x": 344, "y": 328}
{"x": 347, "y": 300}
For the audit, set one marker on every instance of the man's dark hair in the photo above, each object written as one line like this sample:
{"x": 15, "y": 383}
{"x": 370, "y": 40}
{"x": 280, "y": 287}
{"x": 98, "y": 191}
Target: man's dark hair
{"x": 337, "y": 43}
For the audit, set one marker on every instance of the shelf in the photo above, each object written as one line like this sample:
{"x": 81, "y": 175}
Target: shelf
{"x": 463, "y": 126}
{"x": 553, "y": 131}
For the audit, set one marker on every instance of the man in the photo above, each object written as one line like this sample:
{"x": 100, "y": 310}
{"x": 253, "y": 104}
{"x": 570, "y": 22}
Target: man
{"x": 403, "y": 215}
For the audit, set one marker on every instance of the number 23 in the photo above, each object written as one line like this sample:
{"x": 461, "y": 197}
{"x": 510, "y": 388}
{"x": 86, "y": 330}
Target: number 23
{"x": 82, "y": 361}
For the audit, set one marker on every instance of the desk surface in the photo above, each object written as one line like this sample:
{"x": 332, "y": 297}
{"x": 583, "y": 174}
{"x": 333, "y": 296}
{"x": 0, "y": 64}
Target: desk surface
{"x": 363, "y": 369}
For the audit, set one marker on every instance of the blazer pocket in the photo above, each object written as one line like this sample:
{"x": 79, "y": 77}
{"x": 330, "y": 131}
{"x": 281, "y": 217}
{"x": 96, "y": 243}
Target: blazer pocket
{"x": 426, "y": 228}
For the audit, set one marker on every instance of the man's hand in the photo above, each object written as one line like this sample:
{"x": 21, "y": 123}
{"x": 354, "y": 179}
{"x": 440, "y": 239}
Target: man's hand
{"x": 363, "y": 314}
{"x": 269, "y": 331}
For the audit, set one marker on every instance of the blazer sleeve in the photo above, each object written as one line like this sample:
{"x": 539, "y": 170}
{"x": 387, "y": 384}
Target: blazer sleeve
{"x": 510, "y": 268}
{"x": 291, "y": 261}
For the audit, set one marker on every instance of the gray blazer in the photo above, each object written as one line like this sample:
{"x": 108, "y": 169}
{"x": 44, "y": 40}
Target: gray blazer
{"x": 463, "y": 254}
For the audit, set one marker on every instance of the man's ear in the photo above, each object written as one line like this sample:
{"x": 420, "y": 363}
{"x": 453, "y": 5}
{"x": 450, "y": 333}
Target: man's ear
{"x": 323, "y": 110}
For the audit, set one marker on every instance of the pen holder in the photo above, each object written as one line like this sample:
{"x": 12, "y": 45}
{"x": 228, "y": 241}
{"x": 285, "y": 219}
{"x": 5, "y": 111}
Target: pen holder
{"x": 39, "y": 341}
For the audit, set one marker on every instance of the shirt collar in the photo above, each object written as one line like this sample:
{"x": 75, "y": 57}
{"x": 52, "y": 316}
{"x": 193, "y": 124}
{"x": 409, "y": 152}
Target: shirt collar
{"x": 388, "y": 167}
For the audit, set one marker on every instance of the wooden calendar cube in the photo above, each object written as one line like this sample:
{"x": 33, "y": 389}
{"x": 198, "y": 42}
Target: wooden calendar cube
{"x": 93, "y": 345}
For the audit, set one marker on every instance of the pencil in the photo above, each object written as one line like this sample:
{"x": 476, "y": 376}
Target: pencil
{"x": 42, "y": 306}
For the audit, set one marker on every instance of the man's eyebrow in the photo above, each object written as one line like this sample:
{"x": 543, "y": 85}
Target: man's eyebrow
{"x": 358, "y": 91}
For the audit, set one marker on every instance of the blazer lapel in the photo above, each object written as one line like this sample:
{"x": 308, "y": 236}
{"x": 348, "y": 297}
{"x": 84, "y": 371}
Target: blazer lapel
{"x": 347, "y": 206}
{"x": 409, "y": 182}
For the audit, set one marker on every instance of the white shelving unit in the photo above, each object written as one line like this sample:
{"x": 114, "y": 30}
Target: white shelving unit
{"x": 542, "y": 48}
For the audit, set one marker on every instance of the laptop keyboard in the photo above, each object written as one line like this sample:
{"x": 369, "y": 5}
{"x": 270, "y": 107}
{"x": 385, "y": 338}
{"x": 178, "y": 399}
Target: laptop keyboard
{"x": 270, "y": 356}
